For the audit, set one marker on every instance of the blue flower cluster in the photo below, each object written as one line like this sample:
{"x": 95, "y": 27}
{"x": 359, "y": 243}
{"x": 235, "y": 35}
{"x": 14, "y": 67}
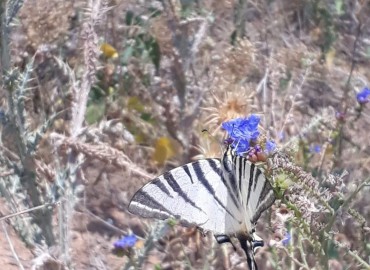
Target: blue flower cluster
{"x": 243, "y": 132}
{"x": 125, "y": 242}
{"x": 363, "y": 96}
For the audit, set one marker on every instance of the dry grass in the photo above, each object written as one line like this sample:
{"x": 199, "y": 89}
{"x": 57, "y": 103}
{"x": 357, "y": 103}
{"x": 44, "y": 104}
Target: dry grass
{"x": 79, "y": 128}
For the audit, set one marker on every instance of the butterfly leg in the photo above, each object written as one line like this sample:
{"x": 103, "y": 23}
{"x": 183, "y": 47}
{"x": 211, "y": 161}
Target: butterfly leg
{"x": 257, "y": 242}
{"x": 222, "y": 238}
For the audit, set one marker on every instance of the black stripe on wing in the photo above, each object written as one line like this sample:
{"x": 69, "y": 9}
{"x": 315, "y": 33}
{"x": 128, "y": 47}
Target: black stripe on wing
{"x": 229, "y": 177}
{"x": 175, "y": 186}
{"x": 229, "y": 180}
{"x": 256, "y": 176}
{"x": 241, "y": 163}
{"x": 250, "y": 181}
{"x": 266, "y": 199}
{"x": 144, "y": 205}
{"x": 161, "y": 186}
{"x": 202, "y": 179}
{"x": 187, "y": 171}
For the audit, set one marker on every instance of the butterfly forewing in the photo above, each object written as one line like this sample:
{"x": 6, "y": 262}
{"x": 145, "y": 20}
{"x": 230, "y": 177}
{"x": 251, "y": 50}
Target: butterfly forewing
{"x": 194, "y": 194}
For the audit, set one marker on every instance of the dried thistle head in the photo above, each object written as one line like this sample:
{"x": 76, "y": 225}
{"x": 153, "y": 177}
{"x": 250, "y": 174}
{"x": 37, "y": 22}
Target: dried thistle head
{"x": 238, "y": 61}
{"x": 228, "y": 105}
{"x": 231, "y": 93}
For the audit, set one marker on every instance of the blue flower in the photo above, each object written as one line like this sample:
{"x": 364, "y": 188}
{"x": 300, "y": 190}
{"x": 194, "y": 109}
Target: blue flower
{"x": 363, "y": 96}
{"x": 126, "y": 242}
{"x": 286, "y": 239}
{"x": 241, "y": 146}
{"x": 281, "y": 135}
{"x": 257, "y": 148}
{"x": 270, "y": 147}
{"x": 242, "y": 131}
{"x": 315, "y": 148}
{"x": 340, "y": 116}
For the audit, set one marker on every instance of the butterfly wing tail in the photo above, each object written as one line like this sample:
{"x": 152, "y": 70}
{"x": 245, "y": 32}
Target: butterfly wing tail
{"x": 248, "y": 247}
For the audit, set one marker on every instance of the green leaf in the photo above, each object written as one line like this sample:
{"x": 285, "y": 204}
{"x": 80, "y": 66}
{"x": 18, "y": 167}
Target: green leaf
{"x": 129, "y": 17}
{"x": 95, "y": 112}
{"x": 147, "y": 117}
{"x": 127, "y": 55}
{"x": 284, "y": 82}
{"x": 233, "y": 37}
{"x": 97, "y": 94}
{"x": 336, "y": 202}
{"x": 132, "y": 19}
{"x": 282, "y": 182}
{"x": 332, "y": 250}
{"x": 154, "y": 12}
{"x": 171, "y": 222}
{"x": 339, "y": 7}
{"x": 154, "y": 52}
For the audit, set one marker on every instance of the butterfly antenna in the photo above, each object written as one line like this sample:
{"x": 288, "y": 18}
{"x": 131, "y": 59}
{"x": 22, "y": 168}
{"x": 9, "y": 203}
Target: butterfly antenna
{"x": 205, "y": 131}
{"x": 213, "y": 138}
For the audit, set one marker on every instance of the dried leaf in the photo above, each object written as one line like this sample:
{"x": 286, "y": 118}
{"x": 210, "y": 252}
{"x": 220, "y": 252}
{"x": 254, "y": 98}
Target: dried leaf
{"x": 163, "y": 150}
{"x": 135, "y": 104}
{"x": 329, "y": 57}
{"x": 108, "y": 50}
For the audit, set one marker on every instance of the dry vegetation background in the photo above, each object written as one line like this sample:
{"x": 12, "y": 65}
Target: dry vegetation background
{"x": 97, "y": 97}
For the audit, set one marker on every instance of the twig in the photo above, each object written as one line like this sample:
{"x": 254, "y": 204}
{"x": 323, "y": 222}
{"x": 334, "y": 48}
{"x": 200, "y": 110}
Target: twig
{"x": 29, "y": 210}
{"x": 12, "y": 247}
{"x": 345, "y": 203}
{"x": 104, "y": 222}
{"x": 292, "y": 107}
{"x": 350, "y": 252}
{"x": 300, "y": 247}
{"x": 340, "y": 124}
{"x": 101, "y": 152}
{"x": 303, "y": 266}
{"x": 7, "y": 173}
{"x": 90, "y": 50}
{"x": 16, "y": 86}
{"x": 195, "y": 46}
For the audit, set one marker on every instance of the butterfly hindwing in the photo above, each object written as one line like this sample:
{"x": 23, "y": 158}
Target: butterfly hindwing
{"x": 255, "y": 190}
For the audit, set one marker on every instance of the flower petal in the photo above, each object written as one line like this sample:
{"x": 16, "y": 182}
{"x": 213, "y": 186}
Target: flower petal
{"x": 270, "y": 147}
{"x": 126, "y": 242}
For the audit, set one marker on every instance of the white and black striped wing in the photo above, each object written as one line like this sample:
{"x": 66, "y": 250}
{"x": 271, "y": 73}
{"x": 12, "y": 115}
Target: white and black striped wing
{"x": 256, "y": 191}
{"x": 195, "y": 194}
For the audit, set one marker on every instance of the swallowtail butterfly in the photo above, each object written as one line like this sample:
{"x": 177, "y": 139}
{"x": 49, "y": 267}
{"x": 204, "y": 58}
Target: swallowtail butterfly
{"x": 225, "y": 196}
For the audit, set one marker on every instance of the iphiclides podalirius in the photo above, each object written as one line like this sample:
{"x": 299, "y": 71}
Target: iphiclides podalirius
{"x": 224, "y": 196}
